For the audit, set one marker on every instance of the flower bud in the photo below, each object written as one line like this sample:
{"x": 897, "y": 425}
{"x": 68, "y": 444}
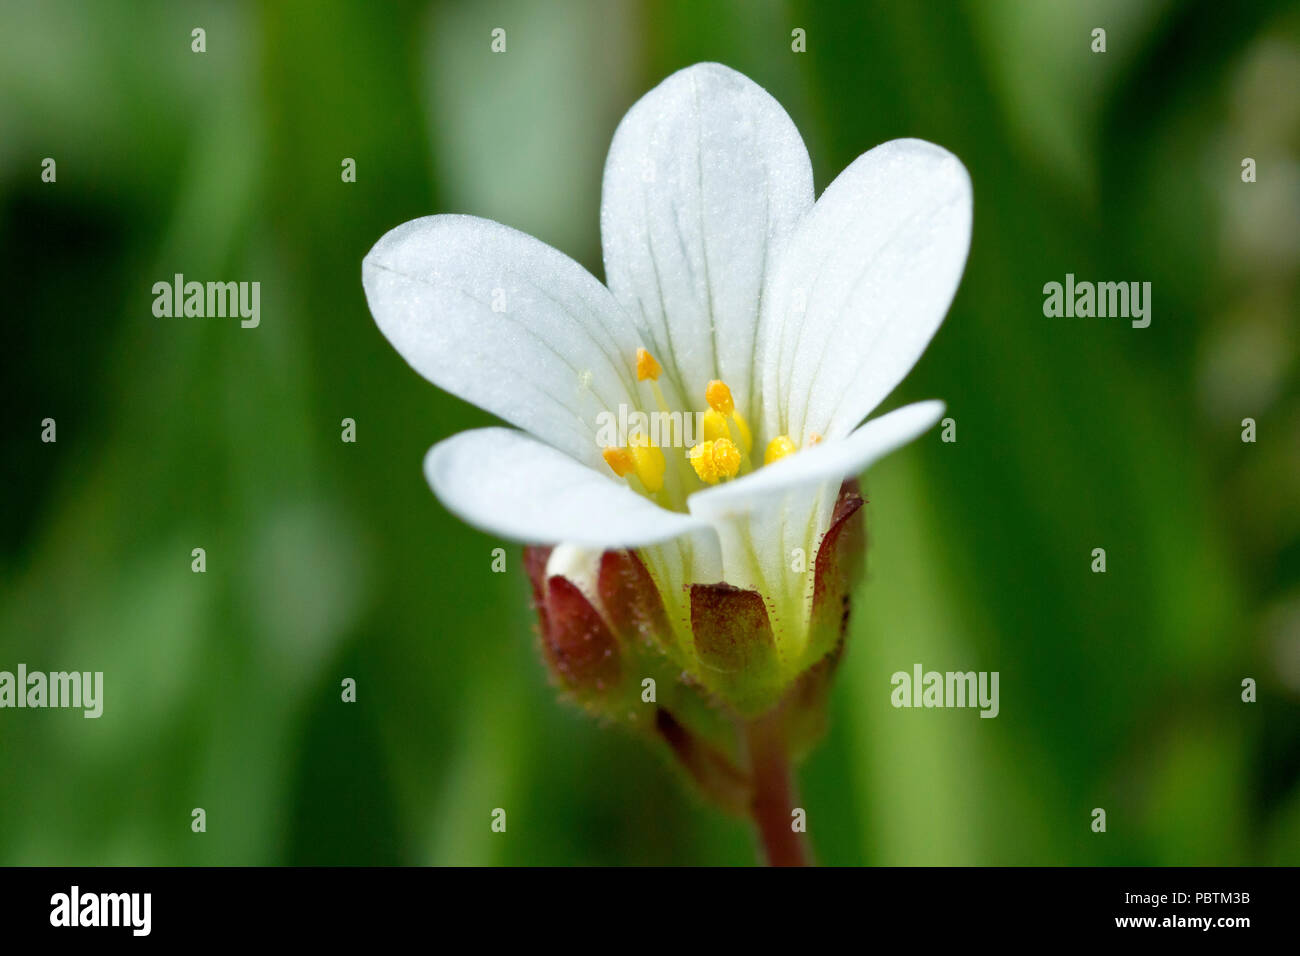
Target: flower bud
{"x": 611, "y": 645}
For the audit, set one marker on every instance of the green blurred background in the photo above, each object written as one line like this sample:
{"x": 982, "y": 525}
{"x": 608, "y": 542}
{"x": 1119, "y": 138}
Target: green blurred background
{"x": 328, "y": 560}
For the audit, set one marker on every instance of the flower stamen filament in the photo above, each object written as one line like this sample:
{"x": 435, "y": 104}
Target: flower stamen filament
{"x": 649, "y": 369}
{"x": 649, "y": 462}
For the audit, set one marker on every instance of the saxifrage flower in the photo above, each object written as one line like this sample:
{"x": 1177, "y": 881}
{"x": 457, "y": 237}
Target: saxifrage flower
{"x": 687, "y": 434}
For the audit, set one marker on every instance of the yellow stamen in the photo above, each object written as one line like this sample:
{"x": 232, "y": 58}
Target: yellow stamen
{"x": 726, "y": 458}
{"x": 715, "y": 426}
{"x": 646, "y": 366}
{"x": 649, "y": 462}
{"x": 719, "y": 397}
{"x": 814, "y": 439}
{"x": 742, "y": 428}
{"x": 715, "y": 460}
{"x": 778, "y": 448}
{"x": 619, "y": 461}
{"x": 701, "y": 459}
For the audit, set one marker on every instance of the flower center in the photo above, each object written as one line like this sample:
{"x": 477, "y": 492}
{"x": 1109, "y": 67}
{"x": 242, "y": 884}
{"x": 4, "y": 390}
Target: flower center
{"x": 721, "y": 449}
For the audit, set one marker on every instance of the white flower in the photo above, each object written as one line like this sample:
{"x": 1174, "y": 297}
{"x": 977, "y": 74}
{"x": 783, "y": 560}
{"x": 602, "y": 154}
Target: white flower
{"x": 720, "y": 268}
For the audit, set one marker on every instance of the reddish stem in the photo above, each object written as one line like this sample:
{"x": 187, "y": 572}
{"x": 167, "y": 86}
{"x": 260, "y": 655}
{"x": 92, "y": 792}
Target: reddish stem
{"x": 773, "y": 798}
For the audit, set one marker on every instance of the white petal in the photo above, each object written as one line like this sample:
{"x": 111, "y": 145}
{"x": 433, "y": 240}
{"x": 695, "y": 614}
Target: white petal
{"x": 506, "y": 322}
{"x": 831, "y": 460}
{"x": 862, "y": 288}
{"x": 581, "y": 566}
{"x": 705, "y": 180}
{"x": 506, "y": 483}
{"x": 771, "y": 547}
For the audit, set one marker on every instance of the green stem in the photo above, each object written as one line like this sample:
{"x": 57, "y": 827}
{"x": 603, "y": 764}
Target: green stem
{"x": 773, "y": 796}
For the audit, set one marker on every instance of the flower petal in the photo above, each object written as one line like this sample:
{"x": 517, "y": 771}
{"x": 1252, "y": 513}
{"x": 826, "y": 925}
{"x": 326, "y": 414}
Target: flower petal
{"x": 506, "y": 483}
{"x": 705, "y": 180}
{"x": 862, "y": 288}
{"x": 506, "y": 322}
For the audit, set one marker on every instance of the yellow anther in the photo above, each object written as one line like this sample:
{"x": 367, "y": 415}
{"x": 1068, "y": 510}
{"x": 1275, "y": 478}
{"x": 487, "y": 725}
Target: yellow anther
{"x": 701, "y": 459}
{"x": 726, "y": 458}
{"x": 814, "y": 439}
{"x": 715, "y": 460}
{"x": 719, "y": 397}
{"x": 646, "y": 366}
{"x": 715, "y": 426}
{"x": 778, "y": 448}
{"x": 619, "y": 461}
{"x": 650, "y": 464}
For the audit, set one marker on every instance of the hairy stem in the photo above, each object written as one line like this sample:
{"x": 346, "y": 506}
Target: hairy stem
{"x": 773, "y": 795}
